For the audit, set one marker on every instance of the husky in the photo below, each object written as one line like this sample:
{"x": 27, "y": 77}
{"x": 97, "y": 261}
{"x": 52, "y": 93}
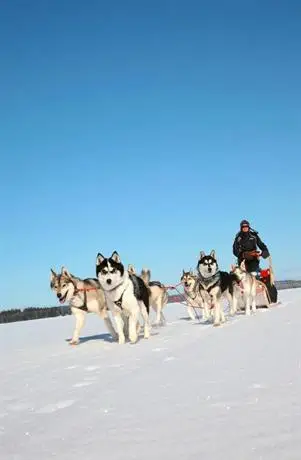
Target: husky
{"x": 193, "y": 296}
{"x": 158, "y": 295}
{"x": 126, "y": 294}
{"x": 83, "y": 295}
{"x": 248, "y": 285}
{"x": 213, "y": 284}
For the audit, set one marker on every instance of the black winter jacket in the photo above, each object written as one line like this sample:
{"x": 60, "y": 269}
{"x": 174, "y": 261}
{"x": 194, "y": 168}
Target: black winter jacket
{"x": 248, "y": 242}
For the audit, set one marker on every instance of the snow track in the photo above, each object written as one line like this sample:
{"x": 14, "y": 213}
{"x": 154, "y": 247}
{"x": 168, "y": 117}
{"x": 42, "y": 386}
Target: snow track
{"x": 189, "y": 392}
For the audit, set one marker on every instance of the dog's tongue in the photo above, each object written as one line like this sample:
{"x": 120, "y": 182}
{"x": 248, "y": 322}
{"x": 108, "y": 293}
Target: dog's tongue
{"x": 62, "y": 300}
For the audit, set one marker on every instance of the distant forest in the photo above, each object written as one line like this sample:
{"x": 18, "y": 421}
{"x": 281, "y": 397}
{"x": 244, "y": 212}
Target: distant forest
{"x": 10, "y": 316}
{"x": 26, "y": 314}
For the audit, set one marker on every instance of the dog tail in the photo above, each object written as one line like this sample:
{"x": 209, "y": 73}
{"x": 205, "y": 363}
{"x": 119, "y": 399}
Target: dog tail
{"x": 131, "y": 269}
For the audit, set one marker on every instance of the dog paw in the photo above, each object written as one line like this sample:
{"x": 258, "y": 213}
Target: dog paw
{"x": 216, "y": 324}
{"x": 74, "y": 342}
{"x": 133, "y": 339}
{"x": 121, "y": 340}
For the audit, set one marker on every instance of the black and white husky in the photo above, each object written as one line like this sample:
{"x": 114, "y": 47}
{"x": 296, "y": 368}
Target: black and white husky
{"x": 126, "y": 295}
{"x": 214, "y": 283}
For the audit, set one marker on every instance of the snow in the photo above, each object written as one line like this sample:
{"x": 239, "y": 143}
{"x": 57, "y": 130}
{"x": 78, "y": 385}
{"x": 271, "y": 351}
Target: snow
{"x": 189, "y": 392}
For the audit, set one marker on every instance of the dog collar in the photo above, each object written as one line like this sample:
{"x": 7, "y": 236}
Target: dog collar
{"x": 210, "y": 282}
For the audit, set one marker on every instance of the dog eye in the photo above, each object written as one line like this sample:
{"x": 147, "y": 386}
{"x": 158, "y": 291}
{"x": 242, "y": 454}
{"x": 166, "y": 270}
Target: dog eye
{"x": 104, "y": 272}
{"x": 113, "y": 270}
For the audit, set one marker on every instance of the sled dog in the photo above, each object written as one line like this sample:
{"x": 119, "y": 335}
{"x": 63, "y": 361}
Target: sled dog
{"x": 192, "y": 293}
{"x": 213, "y": 284}
{"x": 83, "y": 295}
{"x": 248, "y": 284}
{"x": 125, "y": 293}
{"x": 158, "y": 295}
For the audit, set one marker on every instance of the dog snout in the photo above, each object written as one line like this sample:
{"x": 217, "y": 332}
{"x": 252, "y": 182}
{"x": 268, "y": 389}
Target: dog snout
{"x": 59, "y": 295}
{"x": 109, "y": 281}
{"x": 209, "y": 269}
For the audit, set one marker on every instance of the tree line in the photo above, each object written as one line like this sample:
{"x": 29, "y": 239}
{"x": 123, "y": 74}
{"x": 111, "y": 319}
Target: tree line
{"x": 26, "y": 314}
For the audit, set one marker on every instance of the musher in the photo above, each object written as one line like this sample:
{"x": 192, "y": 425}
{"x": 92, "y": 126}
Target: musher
{"x": 245, "y": 248}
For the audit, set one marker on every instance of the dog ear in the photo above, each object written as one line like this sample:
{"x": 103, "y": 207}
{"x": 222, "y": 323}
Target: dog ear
{"x": 202, "y": 254}
{"x": 183, "y": 272}
{"x": 232, "y": 268}
{"x": 115, "y": 257}
{"x": 99, "y": 259}
{"x": 53, "y": 276}
{"x": 212, "y": 254}
{"x": 65, "y": 272}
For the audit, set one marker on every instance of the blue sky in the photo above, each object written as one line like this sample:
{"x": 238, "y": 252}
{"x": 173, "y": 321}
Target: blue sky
{"x": 149, "y": 127}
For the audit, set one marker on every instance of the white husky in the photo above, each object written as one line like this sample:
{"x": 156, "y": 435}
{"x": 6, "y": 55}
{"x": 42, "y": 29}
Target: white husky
{"x": 247, "y": 283}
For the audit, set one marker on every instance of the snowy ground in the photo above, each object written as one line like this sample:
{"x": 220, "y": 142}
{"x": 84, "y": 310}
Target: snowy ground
{"x": 190, "y": 392}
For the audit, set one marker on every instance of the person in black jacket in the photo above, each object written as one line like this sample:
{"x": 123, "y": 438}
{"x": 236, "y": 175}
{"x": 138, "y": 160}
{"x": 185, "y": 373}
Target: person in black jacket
{"x": 245, "y": 247}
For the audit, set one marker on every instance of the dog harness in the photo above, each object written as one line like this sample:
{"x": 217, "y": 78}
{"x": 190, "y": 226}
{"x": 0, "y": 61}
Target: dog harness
{"x": 84, "y": 306}
{"x": 209, "y": 283}
{"x": 137, "y": 290}
{"x": 190, "y": 296}
{"x": 156, "y": 283}
{"x": 119, "y": 301}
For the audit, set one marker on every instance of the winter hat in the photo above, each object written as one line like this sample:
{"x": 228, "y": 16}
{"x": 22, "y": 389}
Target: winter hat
{"x": 244, "y": 223}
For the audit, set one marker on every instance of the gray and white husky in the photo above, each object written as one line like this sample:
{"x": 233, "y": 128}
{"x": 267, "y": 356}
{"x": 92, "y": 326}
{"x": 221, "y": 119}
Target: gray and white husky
{"x": 248, "y": 284}
{"x": 83, "y": 295}
{"x": 213, "y": 284}
{"x": 158, "y": 295}
{"x": 193, "y": 296}
{"x": 126, "y": 294}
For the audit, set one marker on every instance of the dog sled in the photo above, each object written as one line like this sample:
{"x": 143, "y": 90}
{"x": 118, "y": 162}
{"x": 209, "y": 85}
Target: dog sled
{"x": 266, "y": 291}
